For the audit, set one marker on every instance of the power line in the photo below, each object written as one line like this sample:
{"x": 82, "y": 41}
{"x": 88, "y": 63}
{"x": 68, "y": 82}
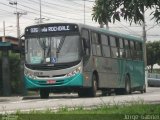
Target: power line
{"x": 62, "y": 7}
{"x": 23, "y": 9}
{"x": 46, "y": 13}
{"x": 152, "y": 27}
{"x": 74, "y": 2}
{"x": 129, "y": 30}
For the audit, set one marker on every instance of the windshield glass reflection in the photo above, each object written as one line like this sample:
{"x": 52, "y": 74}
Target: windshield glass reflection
{"x": 51, "y": 50}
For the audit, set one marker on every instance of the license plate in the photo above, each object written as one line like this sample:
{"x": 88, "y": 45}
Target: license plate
{"x": 51, "y": 81}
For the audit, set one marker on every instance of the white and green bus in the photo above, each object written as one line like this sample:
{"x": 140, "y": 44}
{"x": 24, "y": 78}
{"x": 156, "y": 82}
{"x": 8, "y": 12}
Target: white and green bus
{"x": 70, "y": 57}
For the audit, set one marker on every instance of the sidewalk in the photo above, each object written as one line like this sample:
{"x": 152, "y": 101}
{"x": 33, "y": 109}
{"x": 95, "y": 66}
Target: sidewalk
{"x": 13, "y": 98}
{"x": 10, "y": 99}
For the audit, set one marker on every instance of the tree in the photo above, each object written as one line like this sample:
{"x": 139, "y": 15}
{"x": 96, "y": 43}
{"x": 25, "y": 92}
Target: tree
{"x": 129, "y": 10}
{"x": 153, "y": 56}
{"x": 103, "y": 11}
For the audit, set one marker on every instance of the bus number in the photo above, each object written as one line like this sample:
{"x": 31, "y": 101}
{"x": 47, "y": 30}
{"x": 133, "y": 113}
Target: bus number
{"x": 38, "y": 73}
{"x": 34, "y": 30}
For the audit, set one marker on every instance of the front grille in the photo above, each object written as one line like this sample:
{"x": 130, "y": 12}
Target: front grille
{"x": 59, "y": 75}
{"x": 43, "y": 76}
{"x": 46, "y": 67}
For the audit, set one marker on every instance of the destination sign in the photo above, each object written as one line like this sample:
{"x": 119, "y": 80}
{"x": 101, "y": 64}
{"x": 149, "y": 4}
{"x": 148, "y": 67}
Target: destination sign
{"x": 51, "y": 28}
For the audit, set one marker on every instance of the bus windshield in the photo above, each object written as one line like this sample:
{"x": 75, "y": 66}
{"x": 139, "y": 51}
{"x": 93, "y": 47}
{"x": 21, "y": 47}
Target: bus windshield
{"x": 51, "y": 50}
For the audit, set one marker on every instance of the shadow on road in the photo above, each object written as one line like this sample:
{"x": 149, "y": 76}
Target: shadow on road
{"x": 68, "y": 96}
{"x": 55, "y": 96}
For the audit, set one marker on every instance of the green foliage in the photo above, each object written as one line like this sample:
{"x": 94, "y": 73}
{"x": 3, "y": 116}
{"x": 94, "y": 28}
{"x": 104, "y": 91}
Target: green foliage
{"x": 153, "y": 53}
{"x": 111, "y": 112}
{"x": 102, "y": 11}
{"x": 14, "y": 60}
{"x": 129, "y": 10}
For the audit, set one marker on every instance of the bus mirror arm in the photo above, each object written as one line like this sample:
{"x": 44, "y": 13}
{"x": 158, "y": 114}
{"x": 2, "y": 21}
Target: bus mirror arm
{"x": 20, "y": 44}
{"x": 22, "y": 36}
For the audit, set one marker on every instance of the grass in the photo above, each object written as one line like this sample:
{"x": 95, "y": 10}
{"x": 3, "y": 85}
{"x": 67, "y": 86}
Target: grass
{"x": 134, "y": 111}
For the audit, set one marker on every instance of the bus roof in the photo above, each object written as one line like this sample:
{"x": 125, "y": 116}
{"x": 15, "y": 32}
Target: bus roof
{"x": 106, "y": 31}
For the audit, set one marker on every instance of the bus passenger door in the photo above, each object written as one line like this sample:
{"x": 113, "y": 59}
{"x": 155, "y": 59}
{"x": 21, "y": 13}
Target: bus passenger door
{"x": 86, "y": 50}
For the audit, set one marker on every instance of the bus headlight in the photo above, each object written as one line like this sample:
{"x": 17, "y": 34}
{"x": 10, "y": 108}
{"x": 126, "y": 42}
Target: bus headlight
{"x": 29, "y": 74}
{"x": 77, "y": 70}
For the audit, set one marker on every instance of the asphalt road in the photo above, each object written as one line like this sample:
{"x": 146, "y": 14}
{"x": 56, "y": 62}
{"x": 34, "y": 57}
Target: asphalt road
{"x": 56, "y": 101}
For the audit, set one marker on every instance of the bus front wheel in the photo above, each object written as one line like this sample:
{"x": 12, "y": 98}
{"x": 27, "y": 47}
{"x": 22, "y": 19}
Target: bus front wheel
{"x": 143, "y": 89}
{"x": 93, "y": 89}
{"x": 44, "y": 93}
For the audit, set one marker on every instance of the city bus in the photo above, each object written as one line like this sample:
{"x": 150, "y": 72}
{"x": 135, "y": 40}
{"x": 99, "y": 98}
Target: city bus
{"x": 71, "y": 57}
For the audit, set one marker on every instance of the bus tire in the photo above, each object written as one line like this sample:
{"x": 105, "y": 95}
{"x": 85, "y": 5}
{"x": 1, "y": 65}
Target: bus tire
{"x": 143, "y": 90}
{"x": 127, "y": 85}
{"x": 44, "y": 93}
{"x": 93, "y": 89}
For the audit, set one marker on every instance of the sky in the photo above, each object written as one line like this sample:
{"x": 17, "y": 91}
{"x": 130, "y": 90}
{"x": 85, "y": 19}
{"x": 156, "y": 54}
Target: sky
{"x": 53, "y": 11}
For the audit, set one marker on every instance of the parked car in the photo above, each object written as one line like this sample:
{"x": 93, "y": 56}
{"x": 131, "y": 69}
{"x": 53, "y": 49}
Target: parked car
{"x": 154, "y": 80}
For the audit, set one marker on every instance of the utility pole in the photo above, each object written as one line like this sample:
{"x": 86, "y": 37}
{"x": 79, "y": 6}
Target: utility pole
{"x": 18, "y": 27}
{"x": 144, "y": 39}
{"x": 4, "y": 33}
{"x": 84, "y": 11}
{"x": 40, "y": 7}
{"x": 41, "y": 19}
{"x": 18, "y": 14}
{"x": 144, "y": 50}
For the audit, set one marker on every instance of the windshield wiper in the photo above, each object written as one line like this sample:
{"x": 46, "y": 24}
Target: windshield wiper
{"x": 46, "y": 49}
{"x": 60, "y": 44}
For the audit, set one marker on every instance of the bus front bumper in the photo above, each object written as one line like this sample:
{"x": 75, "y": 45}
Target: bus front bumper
{"x": 76, "y": 80}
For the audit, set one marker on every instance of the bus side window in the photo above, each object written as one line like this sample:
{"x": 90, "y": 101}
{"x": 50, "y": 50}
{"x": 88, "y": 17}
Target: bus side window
{"x": 122, "y": 52}
{"x": 121, "y": 43}
{"x": 139, "y": 53}
{"x": 114, "y": 48}
{"x": 132, "y": 47}
{"x": 86, "y": 41}
{"x": 96, "y": 44}
{"x": 127, "y": 49}
{"x": 112, "y": 41}
{"x": 95, "y": 38}
{"x": 105, "y": 46}
{"x": 104, "y": 40}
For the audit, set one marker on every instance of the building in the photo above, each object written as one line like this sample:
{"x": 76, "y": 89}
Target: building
{"x": 11, "y": 43}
